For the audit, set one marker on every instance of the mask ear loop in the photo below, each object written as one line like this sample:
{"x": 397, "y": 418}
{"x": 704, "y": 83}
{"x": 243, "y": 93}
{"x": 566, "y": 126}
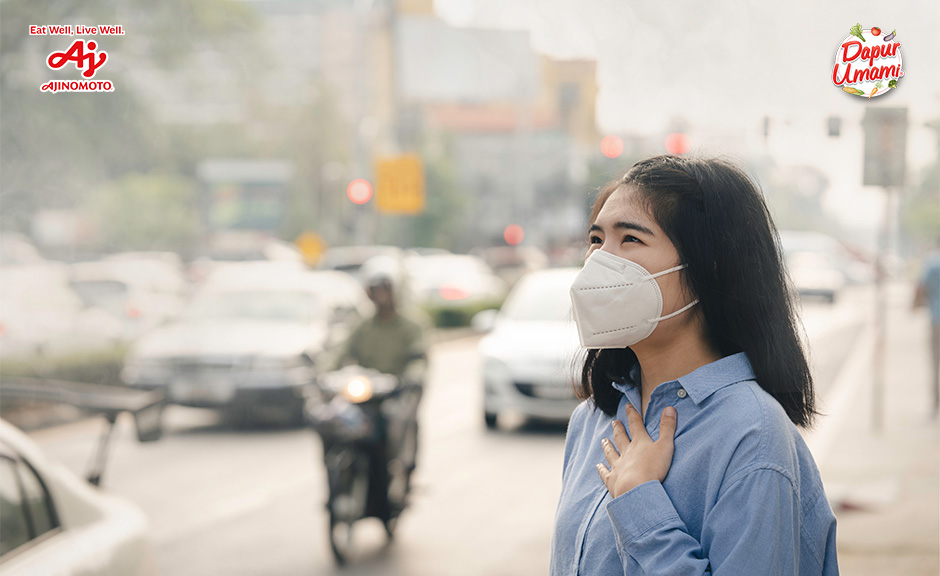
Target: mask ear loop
{"x": 673, "y": 269}
{"x": 676, "y": 313}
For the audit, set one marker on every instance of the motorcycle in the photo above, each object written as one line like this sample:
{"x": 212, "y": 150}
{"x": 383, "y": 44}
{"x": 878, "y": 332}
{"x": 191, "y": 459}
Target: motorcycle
{"x": 367, "y": 422}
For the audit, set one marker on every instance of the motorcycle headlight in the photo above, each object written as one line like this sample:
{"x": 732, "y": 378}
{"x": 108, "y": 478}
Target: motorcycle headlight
{"x": 358, "y": 389}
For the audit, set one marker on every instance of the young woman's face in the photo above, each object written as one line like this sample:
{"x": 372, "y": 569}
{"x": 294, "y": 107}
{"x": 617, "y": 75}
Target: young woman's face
{"x": 624, "y": 228}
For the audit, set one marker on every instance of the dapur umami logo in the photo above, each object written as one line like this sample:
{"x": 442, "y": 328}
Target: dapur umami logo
{"x": 868, "y": 62}
{"x": 85, "y": 55}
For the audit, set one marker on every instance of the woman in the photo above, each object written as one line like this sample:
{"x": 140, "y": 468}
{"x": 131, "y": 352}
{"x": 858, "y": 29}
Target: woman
{"x": 685, "y": 457}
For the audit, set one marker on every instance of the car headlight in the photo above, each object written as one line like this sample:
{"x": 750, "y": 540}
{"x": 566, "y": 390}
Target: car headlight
{"x": 358, "y": 389}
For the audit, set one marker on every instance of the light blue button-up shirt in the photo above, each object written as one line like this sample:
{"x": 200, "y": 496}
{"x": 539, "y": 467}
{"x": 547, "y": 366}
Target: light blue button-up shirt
{"x": 743, "y": 495}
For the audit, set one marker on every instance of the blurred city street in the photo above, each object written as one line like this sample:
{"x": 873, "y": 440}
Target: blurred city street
{"x": 250, "y": 501}
{"x": 237, "y": 237}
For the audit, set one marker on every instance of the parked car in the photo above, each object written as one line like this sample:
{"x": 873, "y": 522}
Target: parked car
{"x": 529, "y": 355}
{"x": 453, "y": 287}
{"x": 815, "y": 273}
{"x": 250, "y": 341}
{"x": 52, "y": 522}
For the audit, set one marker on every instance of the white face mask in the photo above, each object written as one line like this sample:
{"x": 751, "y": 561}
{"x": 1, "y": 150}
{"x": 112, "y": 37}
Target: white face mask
{"x": 617, "y": 302}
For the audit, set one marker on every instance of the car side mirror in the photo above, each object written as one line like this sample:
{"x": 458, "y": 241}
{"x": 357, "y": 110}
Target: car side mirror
{"x": 485, "y": 321}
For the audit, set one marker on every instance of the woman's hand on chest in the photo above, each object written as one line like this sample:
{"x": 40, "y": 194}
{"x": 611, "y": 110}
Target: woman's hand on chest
{"x": 634, "y": 462}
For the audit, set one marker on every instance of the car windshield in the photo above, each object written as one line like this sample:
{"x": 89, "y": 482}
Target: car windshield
{"x": 540, "y": 298}
{"x": 813, "y": 260}
{"x": 435, "y": 270}
{"x": 255, "y": 305}
{"x": 99, "y": 292}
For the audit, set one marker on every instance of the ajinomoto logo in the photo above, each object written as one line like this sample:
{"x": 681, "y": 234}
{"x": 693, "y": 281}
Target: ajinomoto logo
{"x": 86, "y": 56}
{"x": 868, "y": 62}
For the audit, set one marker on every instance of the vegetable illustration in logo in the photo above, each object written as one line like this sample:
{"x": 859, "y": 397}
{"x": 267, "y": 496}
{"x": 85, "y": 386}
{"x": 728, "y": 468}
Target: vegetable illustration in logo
{"x": 857, "y": 31}
{"x": 876, "y": 31}
{"x": 877, "y": 88}
{"x": 890, "y": 36}
{"x": 855, "y": 91}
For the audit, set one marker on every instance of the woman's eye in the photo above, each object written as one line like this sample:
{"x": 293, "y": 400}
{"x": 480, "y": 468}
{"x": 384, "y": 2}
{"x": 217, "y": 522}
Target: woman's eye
{"x": 595, "y": 240}
{"x": 629, "y": 238}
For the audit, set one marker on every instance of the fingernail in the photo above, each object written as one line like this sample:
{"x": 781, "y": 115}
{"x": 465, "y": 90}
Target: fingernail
{"x": 605, "y": 441}
{"x": 670, "y": 411}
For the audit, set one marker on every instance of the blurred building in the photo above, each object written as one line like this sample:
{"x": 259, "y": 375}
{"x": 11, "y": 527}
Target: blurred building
{"x": 520, "y": 126}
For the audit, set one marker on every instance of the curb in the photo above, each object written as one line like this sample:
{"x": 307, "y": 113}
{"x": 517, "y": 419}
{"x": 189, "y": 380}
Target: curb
{"x": 853, "y": 378}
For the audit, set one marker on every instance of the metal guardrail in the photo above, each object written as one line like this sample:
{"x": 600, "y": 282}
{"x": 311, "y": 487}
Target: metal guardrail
{"x": 146, "y": 406}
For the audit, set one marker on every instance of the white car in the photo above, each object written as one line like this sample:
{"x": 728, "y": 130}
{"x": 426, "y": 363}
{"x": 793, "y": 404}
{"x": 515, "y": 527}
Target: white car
{"x": 815, "y": 274}
{"x": 143, "y": 292}
{"x": 530, "y": 356}
{"x": 452, "y": 287}
{"x": 40, "y": 315}
{"x": 52, "y": 522}
{"x": 250, "y": 341}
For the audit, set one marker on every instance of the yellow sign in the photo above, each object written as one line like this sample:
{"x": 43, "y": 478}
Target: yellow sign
{"x": 400, "y": 185}
{"x": 312, "y": 246}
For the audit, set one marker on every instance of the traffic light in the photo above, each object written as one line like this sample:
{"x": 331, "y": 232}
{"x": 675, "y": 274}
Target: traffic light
{"x": 611, "y": 146}
{"x": 513, "y": 234}
{"x": 677, "y": 143}
{"x": 359, "y": 191}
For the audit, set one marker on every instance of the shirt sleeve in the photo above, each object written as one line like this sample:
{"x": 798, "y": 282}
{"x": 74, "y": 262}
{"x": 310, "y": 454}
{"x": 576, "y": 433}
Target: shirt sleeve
{"x": 754, "y": 528}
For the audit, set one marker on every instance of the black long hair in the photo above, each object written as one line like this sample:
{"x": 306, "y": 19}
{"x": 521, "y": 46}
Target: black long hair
{"x": 716, "y": 218}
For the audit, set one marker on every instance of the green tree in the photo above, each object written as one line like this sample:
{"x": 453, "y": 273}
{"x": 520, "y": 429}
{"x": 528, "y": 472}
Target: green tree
{"x": 920, "y": 206}
{"x": 57, "y": 147}
{"x": 147, "y": 212}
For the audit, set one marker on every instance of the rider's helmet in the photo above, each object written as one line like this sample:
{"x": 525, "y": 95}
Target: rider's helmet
{"x": 381, "y": 271}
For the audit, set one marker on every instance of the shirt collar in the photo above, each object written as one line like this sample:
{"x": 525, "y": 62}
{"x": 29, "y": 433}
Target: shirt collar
{"x": 708, "y": 379}
{"x": 705, "y": 380}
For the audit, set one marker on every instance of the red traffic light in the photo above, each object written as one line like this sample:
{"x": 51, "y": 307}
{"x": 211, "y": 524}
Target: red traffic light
{"x": 677, "y": 143}
{"x": 513, "y": 234}
{"x": 359, "y": 191}
{"x": 611, "y": 146}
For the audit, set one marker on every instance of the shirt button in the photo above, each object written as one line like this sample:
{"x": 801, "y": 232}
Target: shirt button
{"x": 681, "y": 393}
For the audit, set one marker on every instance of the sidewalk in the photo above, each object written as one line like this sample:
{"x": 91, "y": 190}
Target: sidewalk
{"x": 885, "y": 488}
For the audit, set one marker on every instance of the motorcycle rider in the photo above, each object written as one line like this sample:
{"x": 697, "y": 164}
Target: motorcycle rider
{"x": 392, "y": 343}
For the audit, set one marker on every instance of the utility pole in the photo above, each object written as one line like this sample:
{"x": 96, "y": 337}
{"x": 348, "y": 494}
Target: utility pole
{"x": 884, "y": 165}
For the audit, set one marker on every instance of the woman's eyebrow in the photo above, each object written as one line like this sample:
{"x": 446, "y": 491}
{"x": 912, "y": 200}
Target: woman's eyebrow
{"x": 624, "y": 226}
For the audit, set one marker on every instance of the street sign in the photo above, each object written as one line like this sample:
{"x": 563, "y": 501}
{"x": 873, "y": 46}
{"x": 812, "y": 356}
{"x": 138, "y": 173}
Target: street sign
{"x": 885, "y": 146}
{"x": 311, "y": 246}
{"x": 399, "y": 185}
